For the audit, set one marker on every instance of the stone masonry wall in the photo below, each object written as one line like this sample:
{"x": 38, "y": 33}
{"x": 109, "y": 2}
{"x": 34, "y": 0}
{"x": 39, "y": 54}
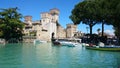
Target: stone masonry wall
{"x": 61, "y": 32}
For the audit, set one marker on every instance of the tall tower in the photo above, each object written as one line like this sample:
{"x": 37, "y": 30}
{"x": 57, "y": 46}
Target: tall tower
{"x": 49, "y": 21}
{"x": 45, "y": 18}
{"x": 54, "y": 20}
{"x": 54, "y": 15}
{"x": 28, "y": 19}
{"x": 71, "y": 29}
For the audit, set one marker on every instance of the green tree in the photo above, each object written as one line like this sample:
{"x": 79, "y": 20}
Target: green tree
{"x": 95, "y": 11}
{"x": 86, "y": 12}
{"x": 112, "y": 16}
{"x": 91, "y": 12}
{"x": 105, "y": 13}
{"x": 10, "y": 24}
{"x": 116, "y": 17}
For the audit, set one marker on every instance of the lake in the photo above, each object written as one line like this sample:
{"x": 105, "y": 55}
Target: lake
{"x": 28, "y": 55}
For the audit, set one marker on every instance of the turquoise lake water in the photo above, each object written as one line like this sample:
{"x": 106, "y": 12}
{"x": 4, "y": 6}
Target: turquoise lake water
{"x": 48, "y": 56}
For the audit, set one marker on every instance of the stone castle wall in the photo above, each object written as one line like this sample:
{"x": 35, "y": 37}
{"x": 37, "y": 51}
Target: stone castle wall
{"x": 44, "y": 35}
{"x": 71, "y": 30}
{"x": 46, "y": 26}
{"x": 61, "y": 32}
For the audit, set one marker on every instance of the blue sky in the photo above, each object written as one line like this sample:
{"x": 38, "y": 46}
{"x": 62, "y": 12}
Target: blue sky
{"x": 35, "y": 7}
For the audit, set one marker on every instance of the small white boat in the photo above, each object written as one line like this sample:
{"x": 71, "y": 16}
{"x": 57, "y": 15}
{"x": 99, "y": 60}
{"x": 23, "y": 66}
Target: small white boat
{"x": 85, "y": 44}
{"x": 70, "y": 44}
{"x": 73, "y": 44}
{"x": 39, "y": 41}
{"x": 2, "y": 41}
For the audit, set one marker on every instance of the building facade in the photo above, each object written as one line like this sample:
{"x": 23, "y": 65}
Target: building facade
{"x": 43, "y": 29}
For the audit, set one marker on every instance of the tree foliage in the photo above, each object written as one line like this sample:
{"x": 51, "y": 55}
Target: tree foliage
{"x": 91, "y": 12}
{"x": 10, "y": 24}
{"x": 116, "y": 17}
{"x": 86, "y": 12}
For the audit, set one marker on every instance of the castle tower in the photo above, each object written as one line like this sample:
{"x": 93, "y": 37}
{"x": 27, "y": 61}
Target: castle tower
{"x": 71, "y": 29}
{"x": 54, "y": 19}
{"x": 45, "y": 18}
{"x": 28, "y": 19}
{"x": 54, "y": 15}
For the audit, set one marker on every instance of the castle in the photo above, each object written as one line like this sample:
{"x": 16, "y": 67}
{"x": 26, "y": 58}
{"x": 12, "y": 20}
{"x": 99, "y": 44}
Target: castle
{"x": 43, "y": 29}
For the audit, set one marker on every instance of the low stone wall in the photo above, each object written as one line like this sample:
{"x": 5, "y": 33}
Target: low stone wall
{"x": 29, "y": 39}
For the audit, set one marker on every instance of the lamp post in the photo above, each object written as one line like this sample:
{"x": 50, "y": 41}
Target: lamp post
{"x": 87, "y": 29}
{"x": 87, "y": 33}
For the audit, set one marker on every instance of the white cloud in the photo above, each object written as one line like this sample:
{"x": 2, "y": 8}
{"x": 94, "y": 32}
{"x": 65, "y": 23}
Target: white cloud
{"x": 111, "y": 32}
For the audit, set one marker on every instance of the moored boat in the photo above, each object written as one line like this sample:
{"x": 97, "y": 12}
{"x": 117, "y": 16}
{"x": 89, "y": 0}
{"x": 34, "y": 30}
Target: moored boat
{"x": 37, "y": 41}
{"x": 105, "y": 48}
{"x": 67, "y": 43}
{"x": 84, "y": 44}
{"x": 56, "y": 43}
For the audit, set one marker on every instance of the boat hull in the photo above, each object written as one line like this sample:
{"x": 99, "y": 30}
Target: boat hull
{"x": 104, "y": 48}
{"x": 56, "y": 43}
